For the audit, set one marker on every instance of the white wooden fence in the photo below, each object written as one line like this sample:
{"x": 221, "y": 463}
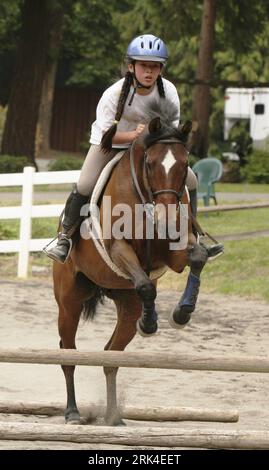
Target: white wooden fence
{"x": 26, "y": 211}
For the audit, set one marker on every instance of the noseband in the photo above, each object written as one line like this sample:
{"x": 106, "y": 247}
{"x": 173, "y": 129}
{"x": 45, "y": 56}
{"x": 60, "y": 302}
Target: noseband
{"x": 153, "y": 194}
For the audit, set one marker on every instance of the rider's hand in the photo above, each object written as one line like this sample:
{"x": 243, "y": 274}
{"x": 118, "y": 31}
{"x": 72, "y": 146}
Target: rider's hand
{"x": 139, "y": 129}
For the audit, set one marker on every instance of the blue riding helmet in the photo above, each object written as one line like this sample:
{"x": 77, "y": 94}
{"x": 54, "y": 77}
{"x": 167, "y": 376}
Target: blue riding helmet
{"x": 147, "y": 47}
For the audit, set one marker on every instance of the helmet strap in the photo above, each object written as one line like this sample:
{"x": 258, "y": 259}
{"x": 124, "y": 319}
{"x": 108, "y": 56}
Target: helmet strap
{"x": 137, "y": 85}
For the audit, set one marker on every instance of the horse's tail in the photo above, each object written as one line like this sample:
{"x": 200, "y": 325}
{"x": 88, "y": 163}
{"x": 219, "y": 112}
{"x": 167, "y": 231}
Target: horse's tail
{"x": 90, "y": 305}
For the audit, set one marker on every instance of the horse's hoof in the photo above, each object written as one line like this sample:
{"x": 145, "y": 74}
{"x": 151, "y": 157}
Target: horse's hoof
{"x": 73, "y": 418}
{"x": 114, "y": 421}
{"x": 180, "y": 316}
{"x": 73, "y": 422}
{"x": 146, "y": 330}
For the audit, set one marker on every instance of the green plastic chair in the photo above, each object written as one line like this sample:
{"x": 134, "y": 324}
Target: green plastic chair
{"x": 208, "y": 172}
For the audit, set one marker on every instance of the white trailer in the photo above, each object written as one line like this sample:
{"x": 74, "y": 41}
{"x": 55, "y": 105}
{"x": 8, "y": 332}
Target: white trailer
{"x": 251, "y": 104}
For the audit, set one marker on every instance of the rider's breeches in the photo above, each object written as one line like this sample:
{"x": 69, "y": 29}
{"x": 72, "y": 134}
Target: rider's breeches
{"x": 96, "y": 160}
{"x": 94, "y": 163}
{"x": 191, "y": 180}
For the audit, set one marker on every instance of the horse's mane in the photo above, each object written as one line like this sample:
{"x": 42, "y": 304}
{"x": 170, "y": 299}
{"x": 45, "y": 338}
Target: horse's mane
{"x": 168, "y": 113}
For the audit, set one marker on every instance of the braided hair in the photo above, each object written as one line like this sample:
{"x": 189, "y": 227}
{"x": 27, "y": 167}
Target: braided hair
{"x": 106, "y": 142}
{"x": 160, "y": 86}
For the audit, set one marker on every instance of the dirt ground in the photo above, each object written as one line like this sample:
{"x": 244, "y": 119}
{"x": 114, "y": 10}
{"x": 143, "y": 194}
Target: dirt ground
{"x": 221, "y": 325}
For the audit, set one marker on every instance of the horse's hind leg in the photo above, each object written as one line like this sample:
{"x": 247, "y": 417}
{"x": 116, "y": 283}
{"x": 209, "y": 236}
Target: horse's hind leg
{"x": 70, "y": 295}
{"x": 67, "y": 324}
{"x": 128, "y": 310}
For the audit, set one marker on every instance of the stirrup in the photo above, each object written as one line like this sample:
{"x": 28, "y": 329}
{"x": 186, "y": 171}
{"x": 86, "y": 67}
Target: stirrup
{"x": 49, "y": 252}
{"x": 219, "y": 247}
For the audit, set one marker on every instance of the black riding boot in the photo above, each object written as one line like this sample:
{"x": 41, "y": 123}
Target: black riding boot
{"x": 214, "y": 250}
{"x": 71, "y": 221}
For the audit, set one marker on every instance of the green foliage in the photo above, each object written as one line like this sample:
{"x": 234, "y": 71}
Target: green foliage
{"x": 231, "y": 172}
{"x": 240, "y": 23}
{"x": 9, "y": 230}
{"x": 9, "y": 23}
{"x": 257, "y": 168}
{"x": 192, "y": 159}
{"x": 44, "y": 228}
{"x": 96, "y": 34}
{"x": 91, "y": 43}
{"x": 9, "y": 34}
{"x": 66, "y": 163}
{"x": 11, "y": 164}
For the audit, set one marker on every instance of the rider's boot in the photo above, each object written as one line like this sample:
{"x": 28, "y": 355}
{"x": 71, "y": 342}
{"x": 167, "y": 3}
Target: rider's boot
{"x": 215, "y": 250}
{"x": 71, "y": 221}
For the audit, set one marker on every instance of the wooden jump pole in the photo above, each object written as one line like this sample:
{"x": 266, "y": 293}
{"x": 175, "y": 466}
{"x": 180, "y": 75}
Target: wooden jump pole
{"x": 139, "y": 436}
{"x": 155, "y": 413}
{"x": 138, "y": 359}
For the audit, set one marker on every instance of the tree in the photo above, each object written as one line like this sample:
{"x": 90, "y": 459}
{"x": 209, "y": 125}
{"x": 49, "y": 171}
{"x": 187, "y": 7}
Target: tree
{"x": 45, "y": 108}
{"x": 9, "y": 33}
{"x": 95, "y": 37}
{"x": 240, "y": 48}
{"x": 201, "y": 102}
{"x": 22, "y": 117}
{"x": 91, "y": 48}
{"x": 91, "y": 57}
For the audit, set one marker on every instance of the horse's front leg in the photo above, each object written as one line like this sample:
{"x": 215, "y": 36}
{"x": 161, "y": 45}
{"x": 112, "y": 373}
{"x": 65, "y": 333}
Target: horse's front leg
{"x": 128, "y": 310}
{"x": 125, "y": 258}
{"x": 181, "y": 315}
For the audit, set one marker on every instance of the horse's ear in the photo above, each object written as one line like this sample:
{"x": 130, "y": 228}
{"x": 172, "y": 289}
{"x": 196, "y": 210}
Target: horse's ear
{"x": 155, "y": 125}
{"x": 186, "y": 128}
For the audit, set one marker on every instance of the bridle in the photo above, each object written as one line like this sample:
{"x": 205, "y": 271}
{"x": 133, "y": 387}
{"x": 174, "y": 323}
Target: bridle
{"x": 149, "y": 206}
{"x": 153, "y": 194}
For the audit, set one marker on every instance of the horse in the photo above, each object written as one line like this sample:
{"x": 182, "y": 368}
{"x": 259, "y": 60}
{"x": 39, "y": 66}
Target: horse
{"x": 153, "y": 171}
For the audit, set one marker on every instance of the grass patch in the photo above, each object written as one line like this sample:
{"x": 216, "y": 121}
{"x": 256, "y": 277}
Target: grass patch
{"x": 226, "y": 223}
{"x": 241, "y": 188}
{"x": 243, "y": 270}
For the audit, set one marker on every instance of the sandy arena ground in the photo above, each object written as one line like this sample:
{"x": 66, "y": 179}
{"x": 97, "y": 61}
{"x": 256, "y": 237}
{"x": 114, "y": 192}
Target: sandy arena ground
{"x": 221, "y": 325}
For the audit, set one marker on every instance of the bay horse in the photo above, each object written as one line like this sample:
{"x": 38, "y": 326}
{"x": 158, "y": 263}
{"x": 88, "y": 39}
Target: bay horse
{"x": 158, "y": 162}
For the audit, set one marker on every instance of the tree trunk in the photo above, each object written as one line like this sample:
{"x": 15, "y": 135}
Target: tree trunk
{"x": 202, "y": 97}
{"x": 45, "y": 113}
{"x": 45, "y": 110}
{"x": 22, "y": 117}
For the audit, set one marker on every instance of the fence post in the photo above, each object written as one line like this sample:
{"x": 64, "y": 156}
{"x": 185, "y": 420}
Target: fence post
{"x": 26, "y": 221}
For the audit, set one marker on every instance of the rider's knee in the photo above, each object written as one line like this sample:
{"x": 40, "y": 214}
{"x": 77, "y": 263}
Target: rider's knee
{"x": 191, "y": 180}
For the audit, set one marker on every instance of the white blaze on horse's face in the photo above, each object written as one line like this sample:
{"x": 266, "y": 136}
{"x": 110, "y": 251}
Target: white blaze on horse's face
{"x": 168, "y": 161}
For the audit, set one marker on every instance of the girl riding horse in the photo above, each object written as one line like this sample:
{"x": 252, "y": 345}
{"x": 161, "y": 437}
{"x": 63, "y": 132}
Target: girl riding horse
{"x": 119, "y": 121}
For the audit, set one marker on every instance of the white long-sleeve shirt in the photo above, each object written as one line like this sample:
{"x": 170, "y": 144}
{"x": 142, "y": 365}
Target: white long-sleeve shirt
{"x": 132, "y": 114}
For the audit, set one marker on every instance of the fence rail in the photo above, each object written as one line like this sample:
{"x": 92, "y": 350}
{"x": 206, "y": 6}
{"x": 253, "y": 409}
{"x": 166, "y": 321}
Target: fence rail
{"x": 70, "y": 357}
{"x": 26, "y": 211}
